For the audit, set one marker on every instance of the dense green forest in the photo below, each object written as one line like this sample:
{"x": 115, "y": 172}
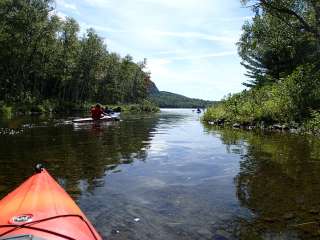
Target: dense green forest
{"x": 280, "y": 48}
{"x": 46, "y": 61}
{"x": 172, "y": 100}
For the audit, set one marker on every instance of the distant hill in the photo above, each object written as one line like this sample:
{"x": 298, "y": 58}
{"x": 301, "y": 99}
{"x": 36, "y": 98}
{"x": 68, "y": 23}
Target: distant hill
{"x": 172, "y": 100}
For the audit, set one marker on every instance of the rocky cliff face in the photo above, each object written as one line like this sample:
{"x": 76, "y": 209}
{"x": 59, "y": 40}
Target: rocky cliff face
{"x": 152, "y": 88}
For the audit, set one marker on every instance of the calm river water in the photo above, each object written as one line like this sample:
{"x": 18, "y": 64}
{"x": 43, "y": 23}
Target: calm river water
{"x": 167, "y": 176}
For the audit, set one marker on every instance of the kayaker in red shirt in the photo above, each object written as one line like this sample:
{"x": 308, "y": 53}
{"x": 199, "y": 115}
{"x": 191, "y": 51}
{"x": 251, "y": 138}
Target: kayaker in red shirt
{"x": 97, "y": 112}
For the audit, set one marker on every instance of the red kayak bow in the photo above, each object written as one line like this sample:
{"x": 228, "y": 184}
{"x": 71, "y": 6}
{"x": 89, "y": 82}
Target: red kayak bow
{"x": 41, "y": 209}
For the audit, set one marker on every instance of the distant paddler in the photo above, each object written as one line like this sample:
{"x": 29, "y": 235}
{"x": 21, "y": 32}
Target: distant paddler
{"x": 108, "y": 110}
{"x": 97, "y": 112}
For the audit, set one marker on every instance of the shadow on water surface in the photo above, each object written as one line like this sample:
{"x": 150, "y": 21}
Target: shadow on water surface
{"x": 278, "y": 181}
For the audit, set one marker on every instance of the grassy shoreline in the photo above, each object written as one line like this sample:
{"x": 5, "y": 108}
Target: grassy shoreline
{"x": 69, "y": 107}
{"x": 309, "y": 125}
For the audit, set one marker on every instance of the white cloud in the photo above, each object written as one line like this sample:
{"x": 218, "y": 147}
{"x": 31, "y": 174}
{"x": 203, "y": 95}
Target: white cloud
{"x": 198, "y": 78}
{"x": 181, "y": 4}
{"x": 158, "y": 67}
{"x": 189, "y": 44}
{"x": 99, "y": 28}
{"x": 235, "y": 19}
{"x": 208, "y": 55}
{"x": 156, "y": 33}
{"x": 67, "y": 5}
{"x": 60, "y": 14}
{"x": 197, "y": 35}
{"x": 168, "y": 52}
{"x": 175, "y": 4}
{"x": 98, "y": 3}
{"x": 167, "y": 60}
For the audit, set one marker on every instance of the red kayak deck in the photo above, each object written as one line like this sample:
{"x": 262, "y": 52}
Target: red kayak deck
{"x": 40, "y": 207}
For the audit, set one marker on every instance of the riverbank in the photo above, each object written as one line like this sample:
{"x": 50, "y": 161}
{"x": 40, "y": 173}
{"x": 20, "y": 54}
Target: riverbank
{"x": 69, "y": 107}
{"x": 290, "y": 105}
{"x": 311, "y": 126}
{"x": 251, "y": 127}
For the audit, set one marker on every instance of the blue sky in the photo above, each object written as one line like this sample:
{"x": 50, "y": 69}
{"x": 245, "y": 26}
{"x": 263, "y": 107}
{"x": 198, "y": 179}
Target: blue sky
{"x": 189, "y": 44}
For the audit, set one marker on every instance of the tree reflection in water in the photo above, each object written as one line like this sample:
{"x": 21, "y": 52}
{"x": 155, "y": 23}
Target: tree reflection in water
{"x": 278, "y": 181}
{"x": 79, "y": 156}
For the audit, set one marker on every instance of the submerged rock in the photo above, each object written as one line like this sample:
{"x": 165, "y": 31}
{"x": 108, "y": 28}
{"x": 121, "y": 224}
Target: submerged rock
{"x": 293, "y": 130}
{"x": 288, "y": 216}
{"x": 277, "y": 126}
{"x": 269, "y": 219}
{"x": 219, "y": 237}
{"x": 222, "y": 235}
{"x": 314, "y": 211}
{"x": 220, "y": 122}
{"x": 236, "y": 125}
{"x": 114, "y": 231}
{"x": 251, "y": 127}
{"x": 285, "y": 127}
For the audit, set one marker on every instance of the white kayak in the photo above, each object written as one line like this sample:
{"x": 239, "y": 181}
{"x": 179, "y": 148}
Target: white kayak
{"x": 91, "y": 120}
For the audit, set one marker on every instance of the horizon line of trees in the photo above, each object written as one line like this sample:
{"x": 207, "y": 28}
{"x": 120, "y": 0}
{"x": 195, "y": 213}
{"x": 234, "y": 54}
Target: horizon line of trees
{"x": 43, "y": 57}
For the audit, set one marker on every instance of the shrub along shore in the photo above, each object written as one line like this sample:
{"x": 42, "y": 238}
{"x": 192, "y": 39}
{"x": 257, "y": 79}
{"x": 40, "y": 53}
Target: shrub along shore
{"x": 280, "y": 49}
{"x": 292, "y": 104}
{"x": 68, "y": 107}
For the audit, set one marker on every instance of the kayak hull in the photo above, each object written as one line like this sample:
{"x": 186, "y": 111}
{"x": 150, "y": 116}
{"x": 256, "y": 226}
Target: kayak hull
{"x": 40, "y": 207}
{"x": 91, "y": 120}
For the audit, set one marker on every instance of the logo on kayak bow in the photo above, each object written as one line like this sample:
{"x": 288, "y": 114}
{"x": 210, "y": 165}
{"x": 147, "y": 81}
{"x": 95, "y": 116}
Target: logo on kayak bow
{"x": 21, "y": 219}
